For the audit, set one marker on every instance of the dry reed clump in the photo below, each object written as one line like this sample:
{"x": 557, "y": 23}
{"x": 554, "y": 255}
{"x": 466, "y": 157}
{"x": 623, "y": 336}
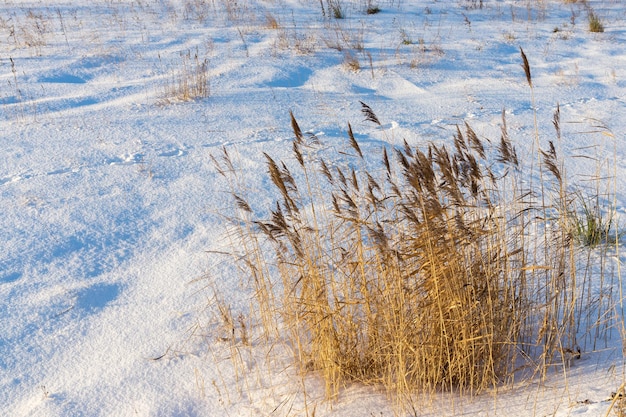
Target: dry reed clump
{"x": 439, "y": 270}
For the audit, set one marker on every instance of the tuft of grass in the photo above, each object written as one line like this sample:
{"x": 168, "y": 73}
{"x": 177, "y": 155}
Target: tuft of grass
{"x": 585, "y": 214}
{"x": 405, "y": 38}
{"x": 191, "y": 80}
{"x": 595, "y": 24}
{"x": 590, "y": 225}
{"x": 271, "y": 22}
{"x": 351, "y": 62}
{"x": 336, "y": 9}
{"x": 371, "y": 7}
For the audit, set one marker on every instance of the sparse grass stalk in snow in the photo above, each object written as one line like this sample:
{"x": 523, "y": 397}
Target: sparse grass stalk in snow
{"x": 351, "y": 62}
{"x": 190, "y": 80}
{"x": 335, "y": 9}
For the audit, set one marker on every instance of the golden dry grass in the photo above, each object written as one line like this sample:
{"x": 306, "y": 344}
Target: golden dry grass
{"x": 433, "y": 271}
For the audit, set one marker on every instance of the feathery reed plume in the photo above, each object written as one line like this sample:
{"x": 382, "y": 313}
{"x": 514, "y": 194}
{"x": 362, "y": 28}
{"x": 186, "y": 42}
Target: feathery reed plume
{"x": 526, "y": 66}
{"x": 386, "y": 161}
{"x": 296, "y": 129}
{"x": 355, "y": 181}
{"x": 342, "y": 178}
{"x": 353, "y": 142}
{"x": 459, "y": 141}
{"x": 556, "y": 121}
{"x": 402, "y": 159}
{"x": 312, "y": 139}
{"x": 218, "y": 166}
{"x": 474, "y": 142}
{"x": 297, "y": 152}
{"x": 551, "y": 162}
{"x": 285, "y": 183}
{"x": 242, "y": 204}
{"x": 326, "y": 171}
{"x": 407, "y": 149}
{"x": 370, "y": 116}
{"x": 506, "y": 149}
{"x": 275, "y": 175}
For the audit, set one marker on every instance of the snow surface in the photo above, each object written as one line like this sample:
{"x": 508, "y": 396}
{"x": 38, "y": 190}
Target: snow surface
{"x": 111, "y": 205}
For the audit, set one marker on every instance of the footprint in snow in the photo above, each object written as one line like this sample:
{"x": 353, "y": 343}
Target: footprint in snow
{"x": 173, "y": 152}
{"x": 96, "y": 297}
{"x": 127, "y": 159}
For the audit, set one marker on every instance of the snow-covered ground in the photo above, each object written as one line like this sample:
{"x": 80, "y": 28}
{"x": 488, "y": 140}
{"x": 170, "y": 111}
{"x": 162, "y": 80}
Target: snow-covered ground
{"x": 110, "y": 204}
